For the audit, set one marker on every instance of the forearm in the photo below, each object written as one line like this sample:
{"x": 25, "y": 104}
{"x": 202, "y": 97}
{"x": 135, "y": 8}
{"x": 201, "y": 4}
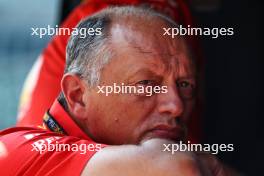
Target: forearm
{"x": 145, "y": 159}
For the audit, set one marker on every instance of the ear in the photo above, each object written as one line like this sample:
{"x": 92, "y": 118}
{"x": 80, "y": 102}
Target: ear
{"x": 74, "y": 91}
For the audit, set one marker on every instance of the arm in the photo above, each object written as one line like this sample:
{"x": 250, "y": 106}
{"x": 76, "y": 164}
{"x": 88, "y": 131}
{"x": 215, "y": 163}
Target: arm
{"x": 142, "y": 160}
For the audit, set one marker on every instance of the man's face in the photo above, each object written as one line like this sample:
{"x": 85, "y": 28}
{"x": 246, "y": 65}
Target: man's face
{"x": 142, "y": 57}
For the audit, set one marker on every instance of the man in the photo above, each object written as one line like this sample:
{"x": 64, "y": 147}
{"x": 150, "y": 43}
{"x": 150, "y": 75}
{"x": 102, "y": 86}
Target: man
{"x": 37, "y": 95}
{"x": 125, "y": 132}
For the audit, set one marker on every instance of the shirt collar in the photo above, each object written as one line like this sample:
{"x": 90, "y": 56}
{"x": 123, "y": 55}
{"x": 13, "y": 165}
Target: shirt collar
{"x": 60, "y": 118}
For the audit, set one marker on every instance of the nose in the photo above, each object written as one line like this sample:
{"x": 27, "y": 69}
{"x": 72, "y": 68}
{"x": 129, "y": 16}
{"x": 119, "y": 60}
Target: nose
{"x": 170, "y": 103}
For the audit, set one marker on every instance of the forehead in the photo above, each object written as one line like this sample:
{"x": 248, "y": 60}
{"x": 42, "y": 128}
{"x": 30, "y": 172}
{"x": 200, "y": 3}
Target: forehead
{"x": 147, "y": 36}
{"x": 145, "y": 46}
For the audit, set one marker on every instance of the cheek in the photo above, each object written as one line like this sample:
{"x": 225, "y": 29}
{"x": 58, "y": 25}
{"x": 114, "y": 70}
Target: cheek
{"x": 129, "y": 115}
{"x": 139, "y": 107}
{"x": 118, "y": 119}
{"x": 139, "y": 110}
{"x": 188, "y": 104}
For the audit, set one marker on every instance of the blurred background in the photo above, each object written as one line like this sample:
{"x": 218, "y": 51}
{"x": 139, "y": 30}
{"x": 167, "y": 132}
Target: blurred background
{"x": 18, "y": 49}
{"x": 233, "y": 72}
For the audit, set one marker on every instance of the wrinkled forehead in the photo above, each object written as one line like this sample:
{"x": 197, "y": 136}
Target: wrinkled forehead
{"x": 147, "y": 41}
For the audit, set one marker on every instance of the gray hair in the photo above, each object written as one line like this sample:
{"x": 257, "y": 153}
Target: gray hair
{"x": 86, "y": 56}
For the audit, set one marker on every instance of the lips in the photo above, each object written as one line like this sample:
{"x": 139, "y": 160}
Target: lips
{"x": 166, "y": 132}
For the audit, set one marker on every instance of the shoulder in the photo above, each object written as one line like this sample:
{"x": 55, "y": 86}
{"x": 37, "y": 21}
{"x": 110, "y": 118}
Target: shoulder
{"x": 34, "y": 150}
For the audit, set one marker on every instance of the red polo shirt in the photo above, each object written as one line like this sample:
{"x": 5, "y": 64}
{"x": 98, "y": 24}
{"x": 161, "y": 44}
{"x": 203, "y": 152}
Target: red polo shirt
{"x": 42, "y": 151}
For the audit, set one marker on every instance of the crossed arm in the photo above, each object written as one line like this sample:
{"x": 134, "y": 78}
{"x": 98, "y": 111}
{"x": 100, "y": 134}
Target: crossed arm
{"x": 149, "y": 159}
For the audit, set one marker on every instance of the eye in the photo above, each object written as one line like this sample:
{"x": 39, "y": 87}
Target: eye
{"x": 184, "y": 84}
{"x": 186, "y": 89}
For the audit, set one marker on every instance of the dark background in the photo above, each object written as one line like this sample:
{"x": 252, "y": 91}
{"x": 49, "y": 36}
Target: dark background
{"x": 234, "y": 82}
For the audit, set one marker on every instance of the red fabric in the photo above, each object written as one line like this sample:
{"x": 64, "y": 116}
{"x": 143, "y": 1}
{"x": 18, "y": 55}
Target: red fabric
{"x": 17, "y": 157}
{"x": 53, "y": 58}
{"x": 65, "y": 120}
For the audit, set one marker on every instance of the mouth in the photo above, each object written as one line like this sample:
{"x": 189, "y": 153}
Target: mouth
{"x": 175, "y": 134}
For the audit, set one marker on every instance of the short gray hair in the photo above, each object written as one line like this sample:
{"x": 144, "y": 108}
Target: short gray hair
{"x": 86, "y": 55}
